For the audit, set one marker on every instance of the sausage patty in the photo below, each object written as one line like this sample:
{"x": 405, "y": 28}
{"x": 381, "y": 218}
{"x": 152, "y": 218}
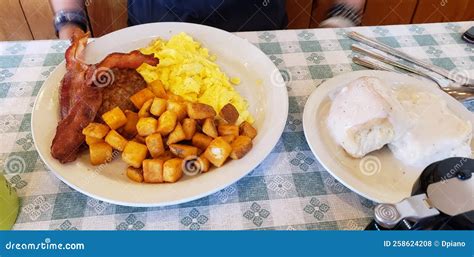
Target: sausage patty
{"x": 126, "y": 82}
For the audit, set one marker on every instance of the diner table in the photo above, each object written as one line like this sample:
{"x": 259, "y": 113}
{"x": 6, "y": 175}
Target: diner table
{"x": 289, "y": 190}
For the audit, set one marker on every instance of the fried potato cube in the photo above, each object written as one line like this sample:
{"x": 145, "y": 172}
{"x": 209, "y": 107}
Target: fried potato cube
{"x": 166, "y": 156}
{"x": 177, "y": 135}
{"x": 220, "y": 121}
{"x": 172, "y": 170}
{"x": 134, "y": 153}
{"x": 183, "y": 151}
{"x": 218, "y": 151}
{"x": 95, "y": 130}
{"x": 130, "y": 128}
{"x": 140, "y": 97}
{"x": 135, "y": 174}
{"x": 240, "y": 147}
{"x": 201, "y": 141}
{"x": 92, "y": 140}
{"x": 153, "y": 171}
{"x": 167, "y": 122}
{"x": 100, "y": 153}
{"x": 205, "y": 164}
{"x": 158, "y": 106}
{"x": 116, "y": 140}
{"x": 115, "y": 118}
{"x": 246, "y": 129}
{"x": 146, "y": 126}
{"x": 229, "y": 113}
{"x": 209, "y": 128}
{"x": 157, "y": 88}
{"x": 173, "y": 97}
{"x": 145, "y": 110}
{"x": 154, "y": 142}
{"x": 189, "y": 128}
{"x": 227, "y": 129}
{"x": 200, "y": 111}
{"x": 229, "y": 138}
{"x": 178, "y": 108}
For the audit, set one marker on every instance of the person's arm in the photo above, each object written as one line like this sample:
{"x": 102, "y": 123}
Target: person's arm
{"x": 344, "y": 13}
{"x": 66, "y": 30}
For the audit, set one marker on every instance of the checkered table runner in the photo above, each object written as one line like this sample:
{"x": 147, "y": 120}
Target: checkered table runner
{"x": 289, "y": 190}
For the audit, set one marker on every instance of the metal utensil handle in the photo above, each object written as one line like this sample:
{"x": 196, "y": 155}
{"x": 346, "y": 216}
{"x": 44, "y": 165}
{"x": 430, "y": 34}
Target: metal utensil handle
{"x": 369, "y": 64}
{"x": 392, "y": 51}
{"x": 461, "y": 93}
{"x": 391, "y": 61}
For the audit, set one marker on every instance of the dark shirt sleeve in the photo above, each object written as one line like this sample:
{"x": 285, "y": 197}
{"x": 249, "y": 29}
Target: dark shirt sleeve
{"x": 230, "y": 15}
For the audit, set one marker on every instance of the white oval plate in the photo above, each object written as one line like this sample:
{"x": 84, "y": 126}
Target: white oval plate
{"x": 379, "y": 176}
{"x": 262, "y": 86}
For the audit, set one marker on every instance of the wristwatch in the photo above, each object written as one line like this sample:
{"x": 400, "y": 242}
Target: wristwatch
{"x": 64, "y": 17}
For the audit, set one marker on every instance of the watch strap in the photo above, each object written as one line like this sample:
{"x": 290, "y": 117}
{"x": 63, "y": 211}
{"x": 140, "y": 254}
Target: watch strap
{"x": 64, "y": 17}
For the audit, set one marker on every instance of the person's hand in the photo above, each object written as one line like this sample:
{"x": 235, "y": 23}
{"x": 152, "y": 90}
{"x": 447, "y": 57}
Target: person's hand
{"x": 68, "y": 30}
{"x": 343, "y": 18}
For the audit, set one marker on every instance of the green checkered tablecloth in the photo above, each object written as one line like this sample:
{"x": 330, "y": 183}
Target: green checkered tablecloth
{"x": 289, "y": 190}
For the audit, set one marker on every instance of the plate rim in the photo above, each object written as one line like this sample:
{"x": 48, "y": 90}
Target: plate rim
{"x": 274, "y": 134}
{"x": 310, "y": 109}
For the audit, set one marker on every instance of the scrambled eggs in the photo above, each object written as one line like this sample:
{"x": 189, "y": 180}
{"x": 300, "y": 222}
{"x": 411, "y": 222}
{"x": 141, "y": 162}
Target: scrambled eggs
{"x": 188, "y": 70}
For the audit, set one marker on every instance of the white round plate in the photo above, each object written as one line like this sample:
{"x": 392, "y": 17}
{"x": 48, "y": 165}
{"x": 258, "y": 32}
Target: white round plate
{"x": 379, "y": 176}
{"x": 262, "y": 86}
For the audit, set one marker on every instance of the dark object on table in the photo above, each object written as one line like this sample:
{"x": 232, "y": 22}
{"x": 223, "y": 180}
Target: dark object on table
{"x": 441, "y": 200}
{"x": 468, "y": 36}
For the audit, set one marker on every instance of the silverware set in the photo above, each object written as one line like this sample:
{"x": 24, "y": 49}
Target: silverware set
{"x": 383, "y": 57}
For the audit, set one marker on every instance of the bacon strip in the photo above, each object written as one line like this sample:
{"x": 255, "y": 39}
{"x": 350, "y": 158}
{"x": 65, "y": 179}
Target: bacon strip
{"x": 69, "y": 138}
{"x": 81, "y": 98}
{"x": 131, "y": 60}
{"x": 75, "y": 70}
